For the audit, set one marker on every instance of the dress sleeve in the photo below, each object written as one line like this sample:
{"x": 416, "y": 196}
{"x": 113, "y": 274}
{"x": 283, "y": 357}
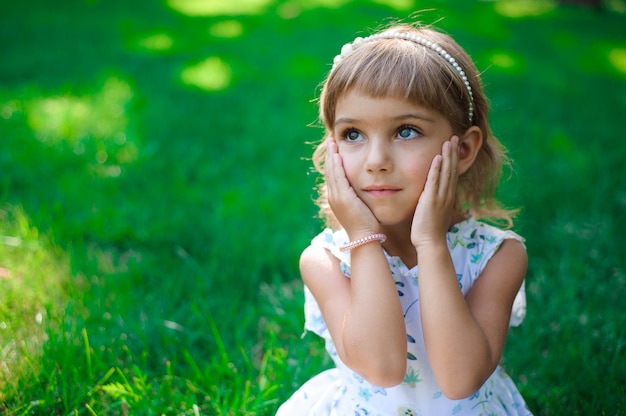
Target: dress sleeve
{"x": 331, "y": 241}
{"x": 518, "y": 310}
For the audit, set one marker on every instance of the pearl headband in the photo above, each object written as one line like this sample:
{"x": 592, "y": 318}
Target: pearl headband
{"x": 349, "y": 47}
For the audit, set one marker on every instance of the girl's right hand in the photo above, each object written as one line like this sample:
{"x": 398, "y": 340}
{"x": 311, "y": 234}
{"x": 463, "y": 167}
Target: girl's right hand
{"x": 350, "y": 210}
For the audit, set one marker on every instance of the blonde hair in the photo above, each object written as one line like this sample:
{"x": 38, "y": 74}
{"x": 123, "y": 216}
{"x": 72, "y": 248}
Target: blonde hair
{"x": 404, "y": 69}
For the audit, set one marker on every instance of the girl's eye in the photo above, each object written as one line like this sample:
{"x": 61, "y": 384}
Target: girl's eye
{"x": 407, "y": 133}
{"x": 352, "y": 135}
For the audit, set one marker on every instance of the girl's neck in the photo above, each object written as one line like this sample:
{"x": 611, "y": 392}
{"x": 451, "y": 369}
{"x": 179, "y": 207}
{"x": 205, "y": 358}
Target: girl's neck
{"x": 399, "y": 244}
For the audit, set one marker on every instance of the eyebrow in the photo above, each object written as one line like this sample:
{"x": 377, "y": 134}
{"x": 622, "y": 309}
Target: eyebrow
{"x": 350, "y": 120}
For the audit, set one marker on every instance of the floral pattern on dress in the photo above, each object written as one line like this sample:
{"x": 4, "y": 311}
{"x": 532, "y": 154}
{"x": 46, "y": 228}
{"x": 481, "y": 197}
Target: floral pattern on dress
{"x": 341, "y": 391}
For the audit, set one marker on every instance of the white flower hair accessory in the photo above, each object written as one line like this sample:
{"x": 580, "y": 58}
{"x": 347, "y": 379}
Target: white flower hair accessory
{"x": 349, "y": 47}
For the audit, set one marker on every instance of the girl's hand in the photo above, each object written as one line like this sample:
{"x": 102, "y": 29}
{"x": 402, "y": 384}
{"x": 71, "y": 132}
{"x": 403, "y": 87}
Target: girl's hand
{"x": 434, "y": 209}
{"x": 351, "y": 212}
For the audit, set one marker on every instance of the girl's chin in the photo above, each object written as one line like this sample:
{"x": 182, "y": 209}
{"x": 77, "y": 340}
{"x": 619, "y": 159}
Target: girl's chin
{"x": 392, "y": 216}
{"x": 391, "y": 221}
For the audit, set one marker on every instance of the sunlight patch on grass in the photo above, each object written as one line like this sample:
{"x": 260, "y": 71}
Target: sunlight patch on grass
{"x": 292, "y": 9}
{"x": 219, "y": 7}
{"x": 8, "y": 109}
{"x": 524, "y": 8}
{"x": 158, "y": 42}
{"x": 503, "y": 60}
{"x": 58, "y": 118}
{"x": 92, "y": 126}
{"x": 506, "y": 61}
{"x": 226, "y": 29}
{"x": 618, "y": 6}
{"x": 617, "y": 58}
{"x": 212, "y": 74}
{"x": 311, "y": 4}
{"x": 32, "y": 276}
{"x": 399, "y": 5}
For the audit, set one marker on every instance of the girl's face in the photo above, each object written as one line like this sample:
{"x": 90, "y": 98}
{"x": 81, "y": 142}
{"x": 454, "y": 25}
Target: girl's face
{"x": 387, "y": 146}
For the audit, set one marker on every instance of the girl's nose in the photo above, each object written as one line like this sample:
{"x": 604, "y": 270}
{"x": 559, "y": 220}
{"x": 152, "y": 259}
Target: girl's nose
{"x": 378, "y": 157}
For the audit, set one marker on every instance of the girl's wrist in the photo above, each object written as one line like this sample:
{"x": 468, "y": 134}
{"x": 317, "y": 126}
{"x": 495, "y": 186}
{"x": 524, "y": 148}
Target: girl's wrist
{"x": 357, "y": 233}
{"x": 370, "y": 238}
{"x": 428, "y": 244}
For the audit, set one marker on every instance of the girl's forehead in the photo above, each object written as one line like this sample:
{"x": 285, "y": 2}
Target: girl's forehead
{"x": 360, "y": 92}
{"x": 383, "y": 95}
{"x": 357, "y": 94}
{"x": 356, "y": 107}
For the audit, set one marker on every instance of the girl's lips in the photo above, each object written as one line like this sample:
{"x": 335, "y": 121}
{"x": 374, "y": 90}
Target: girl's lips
{"x": 381, "y": 191}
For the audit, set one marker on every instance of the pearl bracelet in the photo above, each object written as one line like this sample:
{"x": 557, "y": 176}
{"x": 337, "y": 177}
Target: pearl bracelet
{"x": 363, "y": 241}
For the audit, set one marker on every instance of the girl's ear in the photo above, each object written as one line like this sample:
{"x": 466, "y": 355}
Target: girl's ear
{"x": 469, "y": 145}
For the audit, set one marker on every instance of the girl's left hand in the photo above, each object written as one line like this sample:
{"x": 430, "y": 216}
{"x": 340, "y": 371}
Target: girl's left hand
{"x": 434, "y": 209}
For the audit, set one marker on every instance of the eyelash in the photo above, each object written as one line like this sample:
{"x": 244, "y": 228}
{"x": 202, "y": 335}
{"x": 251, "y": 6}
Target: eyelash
{"x": 347, "y": 131}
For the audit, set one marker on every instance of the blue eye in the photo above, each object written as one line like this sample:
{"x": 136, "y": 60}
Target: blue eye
{"x": 407, "y": 133}
{"x": 352, "y": 135}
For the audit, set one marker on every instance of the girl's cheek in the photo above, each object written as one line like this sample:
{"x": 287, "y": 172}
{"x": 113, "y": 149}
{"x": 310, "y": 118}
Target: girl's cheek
{"x": 419, "y": 168}
{"x": 349, "y": 171}
{"x": 419, "y": 172}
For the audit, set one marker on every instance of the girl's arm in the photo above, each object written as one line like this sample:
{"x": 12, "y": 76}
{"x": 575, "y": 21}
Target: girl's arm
{"x": 363, "y": 313}
{"x": 464, "y": 337}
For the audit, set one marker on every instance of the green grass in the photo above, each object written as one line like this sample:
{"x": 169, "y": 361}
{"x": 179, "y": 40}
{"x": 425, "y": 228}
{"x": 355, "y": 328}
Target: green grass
{"x": 155, "y": 196}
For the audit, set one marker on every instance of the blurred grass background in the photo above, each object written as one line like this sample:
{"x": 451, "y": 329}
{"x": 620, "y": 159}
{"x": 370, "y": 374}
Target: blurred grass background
{"x": 155, "y": 195}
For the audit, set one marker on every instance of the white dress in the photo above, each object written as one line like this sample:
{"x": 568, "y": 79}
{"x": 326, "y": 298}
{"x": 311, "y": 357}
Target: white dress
{"x": 342, "y": 392}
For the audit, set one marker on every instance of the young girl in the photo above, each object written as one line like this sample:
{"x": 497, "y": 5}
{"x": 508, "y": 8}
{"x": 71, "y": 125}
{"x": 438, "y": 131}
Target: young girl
{"x": 412, "y": 294}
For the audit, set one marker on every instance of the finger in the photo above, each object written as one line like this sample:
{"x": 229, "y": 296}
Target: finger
{"x": 339, "y": 173}
{"x": 331, "y": 148}
{"x": 449, "y": 152}
{"x": 444, "y": 177}
{"x": 329, "y": 166}
{"x": 331, "y": 145}
{"x": 331, "y": 152}
{"x": 452, "y": 173}
{"x": 333, "y": 158}
{"x": 433, "y": 178}
{"x": 336, "y": 179}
